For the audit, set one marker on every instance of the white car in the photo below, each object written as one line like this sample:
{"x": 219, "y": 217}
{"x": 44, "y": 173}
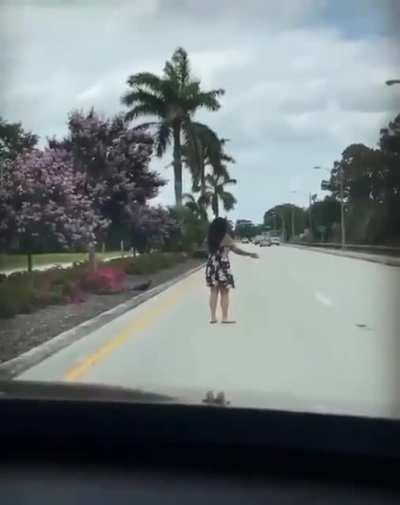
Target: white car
{"x": 265, "y": 242}
{"x": 245, "y": 240}
{"x": 275, "y": 241}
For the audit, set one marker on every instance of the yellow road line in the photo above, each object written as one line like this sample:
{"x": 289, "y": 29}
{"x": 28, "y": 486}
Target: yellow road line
{"x": 138, "y": 324}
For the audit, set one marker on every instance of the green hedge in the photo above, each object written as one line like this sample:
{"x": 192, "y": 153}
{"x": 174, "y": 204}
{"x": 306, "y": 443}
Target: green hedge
{"x": 150, "y": 263}
{"x": 24, "y": 292}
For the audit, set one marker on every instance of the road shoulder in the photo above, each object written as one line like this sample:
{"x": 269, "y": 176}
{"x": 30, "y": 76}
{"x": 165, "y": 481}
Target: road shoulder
{"x": 36, "y": 353}
{"x": 373, "y": 258}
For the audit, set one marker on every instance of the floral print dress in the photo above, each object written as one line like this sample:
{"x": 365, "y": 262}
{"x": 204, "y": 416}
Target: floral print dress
{"x": 218, "y": 268}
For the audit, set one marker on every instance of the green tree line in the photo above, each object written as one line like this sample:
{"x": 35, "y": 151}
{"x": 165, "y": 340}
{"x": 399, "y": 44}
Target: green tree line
{"x": 371, "y": 196}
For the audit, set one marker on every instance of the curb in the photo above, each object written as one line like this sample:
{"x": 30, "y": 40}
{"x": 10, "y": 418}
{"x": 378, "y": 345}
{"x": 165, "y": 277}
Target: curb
{"x": 384, "y": 260}
{"x": 13, "y": 367}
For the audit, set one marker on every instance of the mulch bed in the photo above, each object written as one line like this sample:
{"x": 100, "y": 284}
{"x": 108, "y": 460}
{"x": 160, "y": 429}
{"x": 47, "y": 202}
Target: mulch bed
{"x": 25, "y": 331}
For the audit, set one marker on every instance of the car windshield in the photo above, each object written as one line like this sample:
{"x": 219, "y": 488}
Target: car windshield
{"x": 200, "y": 200}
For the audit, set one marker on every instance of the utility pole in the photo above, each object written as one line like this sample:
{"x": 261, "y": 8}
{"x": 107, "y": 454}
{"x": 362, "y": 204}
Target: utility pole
{"x": 342, "y": 223}
{"x": 293, "y": 232}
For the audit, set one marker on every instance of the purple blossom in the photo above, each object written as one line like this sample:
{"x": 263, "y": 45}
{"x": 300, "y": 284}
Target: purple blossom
{"x": 42, "y": 195}
{"x": 115, "y": 159}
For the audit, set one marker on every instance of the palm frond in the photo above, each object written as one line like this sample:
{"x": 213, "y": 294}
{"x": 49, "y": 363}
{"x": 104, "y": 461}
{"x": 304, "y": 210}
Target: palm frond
{"x": 211, "y": 180}
{"x": 140, "y": 96}
{"x": 146, "y": 126}
{"x": 215, "y": 203}
{"x": 181, "y": 63}
{"x": 140, "y": 110}
{"x": 194, "y": 147}
{"x": 207, "y": 136}
{"x": 206, "y": 99}
{"x": 188, "y": 197}
{"x": 148, "y": 80}
{"x": 228, "y": 200}
{"x": 229, "y": 181}
{"x": 206, "y": 198}
{"x": 214, "y": 147}
{"x": 171, "y": 75}
{"x": 198, "y": 207}
{"x": 221, "y": 171}
{"x": 162, "y": 138}
{"x": 209, "y": 151}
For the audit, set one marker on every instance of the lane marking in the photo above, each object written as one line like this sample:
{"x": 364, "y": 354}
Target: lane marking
{"x": 138, "y": 324}
{"x": 322, "y": 298}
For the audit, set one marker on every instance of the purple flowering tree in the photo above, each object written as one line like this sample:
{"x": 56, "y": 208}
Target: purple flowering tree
{"x": 13, "y": 141}
{"x": 43, "y": 196}
{"x": 115, "y": 159}
{"x": 150, "y": 226}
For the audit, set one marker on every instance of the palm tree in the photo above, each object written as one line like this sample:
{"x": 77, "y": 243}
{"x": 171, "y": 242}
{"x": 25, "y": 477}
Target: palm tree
{"x": 209, "y": 153}
{"x": 215, "y": 192}
{"x": 196, "y": 207}
{"x": 173, "y": 100}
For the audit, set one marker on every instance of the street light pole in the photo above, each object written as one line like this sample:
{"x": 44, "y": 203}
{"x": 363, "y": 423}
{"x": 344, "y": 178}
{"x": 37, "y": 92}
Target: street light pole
{"x": 293, "y": 231}
{"x": 342, "y": 222}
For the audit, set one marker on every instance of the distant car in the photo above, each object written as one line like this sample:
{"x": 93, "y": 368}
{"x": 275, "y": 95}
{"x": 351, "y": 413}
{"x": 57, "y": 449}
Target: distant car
{"x": 265, "y": 242}
{"x": 275, "y": 241}
{"x": 245, "y": 240}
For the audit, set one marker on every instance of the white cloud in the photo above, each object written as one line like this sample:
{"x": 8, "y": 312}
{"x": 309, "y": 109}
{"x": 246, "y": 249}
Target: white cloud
{"x": 298, "y": 87}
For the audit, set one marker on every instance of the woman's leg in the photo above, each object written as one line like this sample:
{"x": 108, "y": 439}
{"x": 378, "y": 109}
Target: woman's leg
{"x": 213, "y": 303}
{"x": 225, "y": 303}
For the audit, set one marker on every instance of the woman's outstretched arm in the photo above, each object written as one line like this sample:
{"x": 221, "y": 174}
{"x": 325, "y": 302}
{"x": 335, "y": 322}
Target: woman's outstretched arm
{"x": 229, "y": 242}
{"x": 241, "y": 252}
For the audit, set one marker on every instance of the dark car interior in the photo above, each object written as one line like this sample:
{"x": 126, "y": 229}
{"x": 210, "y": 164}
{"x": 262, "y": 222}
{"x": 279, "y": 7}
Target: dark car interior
{"x": 60, "y": 446}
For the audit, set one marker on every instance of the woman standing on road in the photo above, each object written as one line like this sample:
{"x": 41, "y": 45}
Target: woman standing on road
{"x": 218, "y": 270}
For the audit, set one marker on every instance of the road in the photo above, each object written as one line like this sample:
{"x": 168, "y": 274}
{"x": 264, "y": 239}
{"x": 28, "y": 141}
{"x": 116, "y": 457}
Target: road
{"x": 314, "y": 332}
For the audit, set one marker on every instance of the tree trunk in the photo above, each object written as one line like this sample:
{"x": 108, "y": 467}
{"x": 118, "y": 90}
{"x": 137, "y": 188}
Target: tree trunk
{"x": 202, "y": 179}
{"x": 92, "y": 258}
{"x": 178, "y": 166}
{"x": 30, "y": 262}
{"x": 215, "y": 205}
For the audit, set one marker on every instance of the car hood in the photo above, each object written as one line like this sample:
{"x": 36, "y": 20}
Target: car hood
{"x": 277, "y": 400}
{"x": 77, "y": 391}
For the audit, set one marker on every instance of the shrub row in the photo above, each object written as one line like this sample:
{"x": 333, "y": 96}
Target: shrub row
{"x": 25, "y": 292}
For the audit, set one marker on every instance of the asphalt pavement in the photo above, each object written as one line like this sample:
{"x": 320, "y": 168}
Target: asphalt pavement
{"x": 314, "y": 332}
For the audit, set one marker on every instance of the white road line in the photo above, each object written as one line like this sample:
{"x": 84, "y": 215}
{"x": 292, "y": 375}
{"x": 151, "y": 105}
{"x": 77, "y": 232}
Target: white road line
{"x": 323, "y": 299}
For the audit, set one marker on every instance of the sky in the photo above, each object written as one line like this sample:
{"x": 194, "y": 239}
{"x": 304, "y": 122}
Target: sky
{"x": 303, "y": 78}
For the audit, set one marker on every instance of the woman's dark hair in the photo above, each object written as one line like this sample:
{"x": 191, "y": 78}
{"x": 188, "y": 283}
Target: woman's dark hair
{"x": 216, "y": 232}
